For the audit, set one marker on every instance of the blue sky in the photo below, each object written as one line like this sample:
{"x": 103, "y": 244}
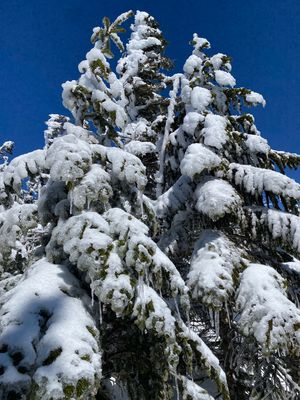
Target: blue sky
{"x": 42, "y": 42}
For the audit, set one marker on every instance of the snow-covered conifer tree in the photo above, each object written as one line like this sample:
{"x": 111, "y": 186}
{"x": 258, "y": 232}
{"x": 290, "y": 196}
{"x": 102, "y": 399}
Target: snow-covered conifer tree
{"x": 149, "y": 251}
{"x": 231, "y": 225}
{"x": 97, "y": 307}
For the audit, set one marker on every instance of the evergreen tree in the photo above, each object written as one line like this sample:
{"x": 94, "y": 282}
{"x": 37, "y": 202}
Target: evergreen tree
{"x": 150, "y": 249}
{"x": 230, "y": 222}
{"x": 98, "y": 301}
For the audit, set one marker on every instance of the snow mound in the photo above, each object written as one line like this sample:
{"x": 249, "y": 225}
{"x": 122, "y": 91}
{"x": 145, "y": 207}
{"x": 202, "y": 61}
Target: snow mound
{"x": 212, "y": 264}
{"x": 214, "y": 132}
{"x": 48, "y": 335}
{"x": 266, "y": 312}
{"x": 198, "y": 158}
{"x": 224, "y": 78}
{"x": 257, "y": 180}
{"x": 215, "y": 198}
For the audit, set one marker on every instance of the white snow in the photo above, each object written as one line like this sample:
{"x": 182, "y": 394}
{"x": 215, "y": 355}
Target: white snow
{"x": 96, "y": 54}
{"x": 217, "y": 61}
{"x": 283, "y": 226}
{"x": 15, "y": 222}
{"x": 193, "y": 391}
{"x": 124, "y": 166}
{"x": 110, "y": 106}
{"x": 174, "y": 198}
{"x": 255, "y": 98}
{"x": 198, "y": 158}
{"x": 95, "y": 187}
{"x": 212, "y": 264}
{"x": 137, "y": 131}
{"x": 20, "y": 167}
{"x": 140, "y": 148}
{"x": 127, "y": 167}
{"x": 68, "y": 157}
{"x": 116, "y": 288}
{"x": 200, "y": 98}
{"x": 192, "y": 64}
{"x": 214, "y": 132}
{"x": 199, "y": 43}
{"x": 191, "y": 121}
{"x": 47, "y": 324}
{"x": 257, "y": 145}
{"x": 265, "y": 311}
{"x": 215, "y": 198}
{"x": 68, "y": 97}
{"x": 165, "y": 139}
{"x": 256, "y": 180}
{"x": 150, "y": 309}
{"x": 209, "y": 360}
{"x": 224, "y": 78}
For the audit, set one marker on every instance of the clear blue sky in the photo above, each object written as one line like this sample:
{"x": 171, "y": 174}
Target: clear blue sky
{"x": 42, "y": 42}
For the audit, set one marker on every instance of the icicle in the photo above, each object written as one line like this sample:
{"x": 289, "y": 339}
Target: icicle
{"x": 71, "y": 201}
{"x": 147, "y": 276}
{"x": 177, "y": 308}
{"x": 188, "y": 321}
{"x": 140, "y": 287}
{"x": 228, "y": 315}
{"x": 140, "y": 196}
{"x": 217, "y": 323}
{"x": 176, "y": 387}
{"x": 92, "y": 291}
{"x": 88, "y": 204}
{"x": 211, "y": 317}
{"x": 100, "y": 313}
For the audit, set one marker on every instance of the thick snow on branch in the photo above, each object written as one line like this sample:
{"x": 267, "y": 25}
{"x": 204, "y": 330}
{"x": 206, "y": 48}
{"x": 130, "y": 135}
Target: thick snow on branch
{"x": 198, "y": 158}
{"x": 107, "y": 248}
{"x": 266, "y": 312}
{"x": 21, "y": 167}
{"x": 71, "y": 236}
{"x": 281, "y": 225}
{"x": 224, "y": 78}
{"x": 257, "y": 145}
{"x": 193, "y": 391}
{"x": 257, "y": 180}
{"x": 212, "y": 265}
{"x": 217, "y": 60}
{"x": 194, "y": 62}
{"x": 110, "y": 106}
{"x": 140, "y": 148}
{"x": 215, "y": 198}
{"x": 124, "y": 166}
{"x": 174, "y": 198}
{"x": 255, "y": 98}
{"x": 14, "y": 224}
{"x": 169, "y": 121}
{"x": 191, "y": 121}
{"x": 208, "y": 359}
{"x": 214, "y": 132}
{"x": 153, "y": 312}
{"x": 127, "y": 167}
{"x": 95, "y": 187}
{"x": 68, "y": 158}
{"x": 200, "y": 98}
{"x": 48, "y": 338}
{"x": 142, "y": 252}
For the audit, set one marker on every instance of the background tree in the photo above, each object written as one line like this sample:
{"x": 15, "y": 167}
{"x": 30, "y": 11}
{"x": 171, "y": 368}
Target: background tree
{"x": 231, "y": 225}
